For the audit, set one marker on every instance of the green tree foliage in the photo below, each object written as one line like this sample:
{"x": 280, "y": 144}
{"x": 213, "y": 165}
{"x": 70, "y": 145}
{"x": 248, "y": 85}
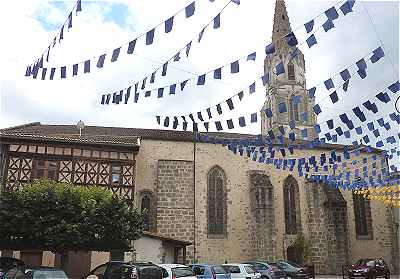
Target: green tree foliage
{"x": 47, "y": 215}
{"x": 303, "y": 248}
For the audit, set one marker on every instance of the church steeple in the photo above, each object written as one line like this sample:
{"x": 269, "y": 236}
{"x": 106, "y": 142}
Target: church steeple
{"x": 281, "y": 26}
{"x": 286, "y": 88}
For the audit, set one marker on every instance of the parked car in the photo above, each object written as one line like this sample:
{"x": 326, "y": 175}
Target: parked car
{"x": 6, "y": 263}
{"x": 207, "y": 271}
{"x": 369, "y": 268}
{"x": 242, "y": 271}
{"x": 126, "y": 270}
{"x": 267, "y": 271}
{"x": 173, "y": 271}
{"x": 293, "y": 270}
{"x": 14, "y": 273}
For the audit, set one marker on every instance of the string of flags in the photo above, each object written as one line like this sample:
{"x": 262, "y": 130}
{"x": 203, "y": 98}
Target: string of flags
{"x": 199, "y": 80}
{"x": 389, "y": 195}
{"x": 205, "y": 115}
{"x": 147, "y": 37}
{"x": 45, "y": 56}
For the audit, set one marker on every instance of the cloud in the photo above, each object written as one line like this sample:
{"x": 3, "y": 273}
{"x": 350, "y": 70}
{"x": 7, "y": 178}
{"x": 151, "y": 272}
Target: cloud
{"x": 104, "y": 25}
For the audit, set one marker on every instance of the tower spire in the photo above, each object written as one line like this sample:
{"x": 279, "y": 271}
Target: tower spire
{"x": 281, "y": 26}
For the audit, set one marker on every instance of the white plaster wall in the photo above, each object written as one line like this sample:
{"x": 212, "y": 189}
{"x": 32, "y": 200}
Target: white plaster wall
{"x": 148, "y": 250}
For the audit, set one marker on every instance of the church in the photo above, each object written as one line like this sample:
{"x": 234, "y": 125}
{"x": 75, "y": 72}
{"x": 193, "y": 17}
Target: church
{"x": 219, "y": 207}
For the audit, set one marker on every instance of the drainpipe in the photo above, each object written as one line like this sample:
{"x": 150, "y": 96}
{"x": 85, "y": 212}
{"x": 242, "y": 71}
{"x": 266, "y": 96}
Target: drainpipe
{"x": 194, "y": 197}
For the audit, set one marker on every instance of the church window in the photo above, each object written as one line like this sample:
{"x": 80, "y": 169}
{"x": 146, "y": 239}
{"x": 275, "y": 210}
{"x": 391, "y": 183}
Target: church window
{"x": 216, "y": 201}
{"x": 291, "y": 75}
{"x": 293, "y": 109}
{"x": 145, "y": 207}
{"x": 362, "y": 216}
{"x": 291, "y": 205}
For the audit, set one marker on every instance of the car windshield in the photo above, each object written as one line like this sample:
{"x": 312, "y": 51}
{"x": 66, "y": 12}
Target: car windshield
{"x": 283, "y": 265}
{"x": 250, "y": 269}
{"x": 294, "y": 264}
{"x": 182, "y": 272}
{"x": 218, "y": 269}
{"x": 49, "y": 274}
{"x": 363, "y": 261}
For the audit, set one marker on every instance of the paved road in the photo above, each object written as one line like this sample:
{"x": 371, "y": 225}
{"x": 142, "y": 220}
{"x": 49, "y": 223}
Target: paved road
{"x": 340, "y": 277}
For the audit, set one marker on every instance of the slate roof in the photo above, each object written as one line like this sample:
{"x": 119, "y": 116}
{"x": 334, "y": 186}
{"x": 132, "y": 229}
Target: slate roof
{"x": 114, "y": 135}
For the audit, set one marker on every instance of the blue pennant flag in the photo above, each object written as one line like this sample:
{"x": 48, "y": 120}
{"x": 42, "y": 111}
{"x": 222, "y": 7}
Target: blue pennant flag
{"x": 217, "y": 21}
{"x": 172, "y": 89}
{"x": 217, "y": 73}
{"x": 394, "y": 88}
{"x": 317, "y": 109}
{"x": 328, "y": 25}
{"x": 345, "y": 85}
{"x": 329, "y": 84}
{"x": 199, "y": 116}
{"x": 265, "y": 79}
{"x": 219, "y": 109}
{"x": 201, "y": 80}
{"x": 166, "y": 121}
{"x": 229, "y": 123}
{"x": 131, "y": 46}
{"x": 376, "y": 133}
{"x": 242, "y": 121}
{"x": 377, "y": 54}
{"x": 311, "y": 41}
{"x": 304, "y": 133}
{"x": 183, "y": 83}
{"x": 115, "y": 54}
{"x": 359, "y": 130}
{"x": 330, "y": 123}
{"x": 268, "y": 112}
{"x": 361, "y": 64}
{"x": 296, "y": 99}
{"x": 387, "y": 126}
{"x": 379, "y": 144}
{"x": 270, "y": 49}
{"x": 370, "y": 126}
{"x": 294, "y": 53}
{"x": 292, "y": 124}
{"x": 345, "y": 74}
{"x": 280, "y": 68}
{"x": 331, "y": 13}
{"x": 366, "y": 139}
{"x": 240, "y": 95}
{"x": 334, "y": 97}
{"x": 347, "y": 134}
{"x": 168, "y": 24}
{"x": 164, "y": 69}
{"x": 230, "y": 104}
{"x": 252, "y": 56}
{"x": 253, "y": 118}
{"x": 150, "y": 37}
{"x": 317, "y": 129}
{"x": 235, "y": 67}
{"x": 160, "y": 92}
{"x": 189, "y": 10}
{"x": 357, "y": 111}
{"x": 309, "y": 26}
{"x": 383, "y": 97}
{"x": 343, "y": 117}
{"x": 252, "y": 88}
{"x": 362, "y": 73}
{"x": 282, "y": 107}
{"x": 311, "y": 92}
{"x": 339, "y": 131}
{"x": 218, "y": 125}
{"x": 291, "y": 39}
{"x": 334, "y": 138}
{"x": 381, "y": 122}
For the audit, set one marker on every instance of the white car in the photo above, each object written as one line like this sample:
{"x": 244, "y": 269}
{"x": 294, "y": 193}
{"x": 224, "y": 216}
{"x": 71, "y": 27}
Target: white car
{"x": 174, "y": 271}
{"x": 242, "y": 271}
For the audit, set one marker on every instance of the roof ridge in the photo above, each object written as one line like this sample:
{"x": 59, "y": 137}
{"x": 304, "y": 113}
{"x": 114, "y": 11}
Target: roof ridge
{"x": 22, "y": 126}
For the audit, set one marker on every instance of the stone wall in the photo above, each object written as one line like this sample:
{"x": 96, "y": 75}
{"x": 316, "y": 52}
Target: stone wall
{"x": 240, "y": 242}
{"x": 175, "y": 200}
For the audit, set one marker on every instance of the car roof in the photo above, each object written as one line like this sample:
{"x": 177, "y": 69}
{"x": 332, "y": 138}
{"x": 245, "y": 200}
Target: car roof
{"x": 42, "y": 268}
{"x": 172, "y": 265}
{"x": 244, "y": 264}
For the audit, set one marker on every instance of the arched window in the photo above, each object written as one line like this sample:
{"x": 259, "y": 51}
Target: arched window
{"x": 291, "y": 205}
{"x": 293, "y": 109}
{"x": 291, "y": 75}
{"x": 362, "y": 216}
{"x": 216, "y": 203}
{"x": 145, "y": 207}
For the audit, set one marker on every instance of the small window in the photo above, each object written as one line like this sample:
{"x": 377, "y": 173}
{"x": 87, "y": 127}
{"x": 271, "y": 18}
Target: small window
{"x": 291, "y": 75}
{"x": 182, "y": 272}
{"x": 45, "y": 169}
{"x": 218, "y": 269}
{"x": 115, "y": 174}
{"x": 250, "y": 269}
{"x": 198, "y": 270}
{"x": 232, "y": 268}
{"x": 283, "y": 16}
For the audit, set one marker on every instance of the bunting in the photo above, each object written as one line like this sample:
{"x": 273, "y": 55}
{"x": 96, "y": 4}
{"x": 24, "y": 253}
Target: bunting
{"x": 45, "y": 56}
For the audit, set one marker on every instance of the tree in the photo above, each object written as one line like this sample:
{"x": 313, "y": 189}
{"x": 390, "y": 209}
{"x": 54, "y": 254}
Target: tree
{"x": 46, "y": 215}
{"x": 303, "y": 248}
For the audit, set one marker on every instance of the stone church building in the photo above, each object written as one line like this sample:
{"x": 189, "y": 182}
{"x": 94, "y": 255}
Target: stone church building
{"x": 224, "y": 206}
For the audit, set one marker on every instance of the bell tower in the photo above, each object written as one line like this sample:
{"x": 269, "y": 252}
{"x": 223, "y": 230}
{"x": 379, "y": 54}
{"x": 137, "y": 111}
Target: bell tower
{"x": 284, "y": 87}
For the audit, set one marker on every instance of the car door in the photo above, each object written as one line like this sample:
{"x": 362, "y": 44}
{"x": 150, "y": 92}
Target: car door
{"x": 235, "y": 271}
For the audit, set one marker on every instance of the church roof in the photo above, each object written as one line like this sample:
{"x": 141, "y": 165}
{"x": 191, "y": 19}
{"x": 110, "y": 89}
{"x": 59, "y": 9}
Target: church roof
{"x": 115, "y": 136}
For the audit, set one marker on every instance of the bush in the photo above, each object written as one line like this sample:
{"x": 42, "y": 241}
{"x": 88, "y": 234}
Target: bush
{"x": 47, "y": 215}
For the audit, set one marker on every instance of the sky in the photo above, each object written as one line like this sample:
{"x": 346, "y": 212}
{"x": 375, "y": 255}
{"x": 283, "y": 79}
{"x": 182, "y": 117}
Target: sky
{"x": 28, "y": 27}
